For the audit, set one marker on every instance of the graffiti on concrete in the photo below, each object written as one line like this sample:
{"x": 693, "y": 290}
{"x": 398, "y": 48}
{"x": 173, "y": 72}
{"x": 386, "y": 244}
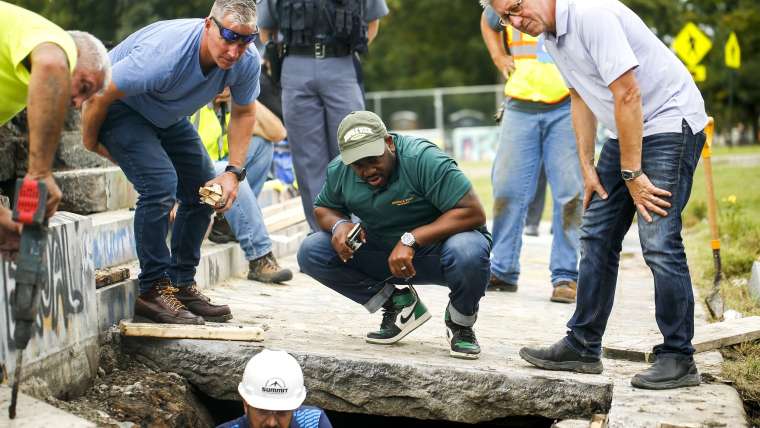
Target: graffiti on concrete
{"x": 113, "y": 247}
{"x": 62, "y": 295}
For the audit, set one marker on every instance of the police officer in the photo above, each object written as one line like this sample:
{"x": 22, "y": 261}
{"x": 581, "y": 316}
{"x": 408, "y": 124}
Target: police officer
{"x": 321, "y": 76}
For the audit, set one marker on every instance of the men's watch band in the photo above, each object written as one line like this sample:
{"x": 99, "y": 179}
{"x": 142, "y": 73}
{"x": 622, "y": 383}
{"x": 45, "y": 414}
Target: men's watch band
{"x": 239, "y": 172}
{"x": 629, "y": 175}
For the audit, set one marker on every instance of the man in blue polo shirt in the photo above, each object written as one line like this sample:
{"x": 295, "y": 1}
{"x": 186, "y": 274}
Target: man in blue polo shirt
{"x": 620, "y": 73}
{"x": 418, "y": 211}
{"x": 161, "y": 75}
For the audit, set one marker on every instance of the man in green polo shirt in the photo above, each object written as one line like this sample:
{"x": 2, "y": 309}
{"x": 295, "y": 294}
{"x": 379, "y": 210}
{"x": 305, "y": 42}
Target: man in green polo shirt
{"x": 419, "y": 212}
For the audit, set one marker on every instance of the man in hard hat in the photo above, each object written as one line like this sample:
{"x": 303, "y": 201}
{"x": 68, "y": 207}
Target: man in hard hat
{"x": 273, "y": 391}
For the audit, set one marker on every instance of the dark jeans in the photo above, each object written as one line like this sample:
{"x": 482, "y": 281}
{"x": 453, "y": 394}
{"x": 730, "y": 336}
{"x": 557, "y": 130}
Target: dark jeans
{"x": 669, "y": 160}
{"x": 460, "y": 262}
{"x": 162, "y": 163}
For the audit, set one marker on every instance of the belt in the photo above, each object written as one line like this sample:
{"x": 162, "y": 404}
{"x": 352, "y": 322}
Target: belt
{"x": 319, "y": 50}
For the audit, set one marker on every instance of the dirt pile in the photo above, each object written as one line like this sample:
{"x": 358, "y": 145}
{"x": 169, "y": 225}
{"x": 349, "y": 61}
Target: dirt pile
{"x": 128, "y": 393}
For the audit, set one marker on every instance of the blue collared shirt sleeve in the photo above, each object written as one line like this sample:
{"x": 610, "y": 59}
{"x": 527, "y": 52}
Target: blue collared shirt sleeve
{"x": 140, "y": 73}
{"x": 493, "y": 19}
{"x": 375, "y": 9}
{"x": 265, "y": 15}
{"x": 602, "y": 34}
{"x": 246, "y": 89}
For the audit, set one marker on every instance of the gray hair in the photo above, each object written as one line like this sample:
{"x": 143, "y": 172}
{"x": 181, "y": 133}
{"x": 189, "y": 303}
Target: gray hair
{"x": 242, "y": 12}
{"x": 485, "y": 3}
{"x": 92, "y": 55}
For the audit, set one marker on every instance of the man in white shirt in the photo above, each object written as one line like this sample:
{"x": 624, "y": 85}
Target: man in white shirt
{"x": 620, "y": 73}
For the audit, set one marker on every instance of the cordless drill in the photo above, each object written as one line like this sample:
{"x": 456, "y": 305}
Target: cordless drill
{"x": 29, "y": 210}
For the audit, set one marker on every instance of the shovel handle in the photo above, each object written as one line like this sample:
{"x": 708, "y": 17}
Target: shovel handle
{"x": 712, "y": 211}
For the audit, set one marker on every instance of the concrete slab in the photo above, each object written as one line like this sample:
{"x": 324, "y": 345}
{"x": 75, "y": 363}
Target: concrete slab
{"x": 35, "y": 413}
{"x": 417, "y": 378}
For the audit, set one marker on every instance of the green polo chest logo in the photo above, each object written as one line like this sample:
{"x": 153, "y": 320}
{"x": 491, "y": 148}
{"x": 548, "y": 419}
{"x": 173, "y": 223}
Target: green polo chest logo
{"x": 402, "y": 202}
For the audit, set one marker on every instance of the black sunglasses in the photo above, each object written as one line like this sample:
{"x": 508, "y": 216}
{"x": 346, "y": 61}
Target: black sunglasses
{"x": 232, "y": 36}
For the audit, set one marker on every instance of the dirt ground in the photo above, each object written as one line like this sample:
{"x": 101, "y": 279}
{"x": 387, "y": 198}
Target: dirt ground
{"x": 127, "y": 393}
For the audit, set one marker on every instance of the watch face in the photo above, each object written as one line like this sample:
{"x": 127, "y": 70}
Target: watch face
{"x": 407, "y": 239}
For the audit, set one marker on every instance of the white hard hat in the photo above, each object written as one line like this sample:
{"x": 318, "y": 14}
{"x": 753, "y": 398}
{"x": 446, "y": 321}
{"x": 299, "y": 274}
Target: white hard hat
{"x": 273, "y": 380}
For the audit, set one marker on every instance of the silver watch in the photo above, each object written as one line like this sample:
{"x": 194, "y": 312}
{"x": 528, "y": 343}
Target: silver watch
{"x": 629, "y": 175}
{"x": 408, "y": 239}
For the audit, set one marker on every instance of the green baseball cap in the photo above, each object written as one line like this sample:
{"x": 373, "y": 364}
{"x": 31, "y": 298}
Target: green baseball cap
{"x": 361, "y": 134}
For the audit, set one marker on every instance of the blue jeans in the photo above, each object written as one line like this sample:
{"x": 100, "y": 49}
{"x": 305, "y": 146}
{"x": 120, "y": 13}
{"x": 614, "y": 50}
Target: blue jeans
{"x": 460, "y": 262}
{"x": 669, "y": 160}
{"x": 245, "y": 216}
{"x": 161, "y": 164}
{"x": 527, "y": 139}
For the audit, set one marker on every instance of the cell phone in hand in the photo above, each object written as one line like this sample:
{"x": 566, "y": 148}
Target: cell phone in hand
{"x": 353, "y": 240}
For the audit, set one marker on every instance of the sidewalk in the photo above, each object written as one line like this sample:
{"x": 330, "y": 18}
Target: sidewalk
{"x": 417, "y": 378}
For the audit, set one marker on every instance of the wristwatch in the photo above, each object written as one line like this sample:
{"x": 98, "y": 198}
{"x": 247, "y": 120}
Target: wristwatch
{"x": 408, "y": 239}
{"x": 629, "y": 175}
{"x": 239, "y": 172}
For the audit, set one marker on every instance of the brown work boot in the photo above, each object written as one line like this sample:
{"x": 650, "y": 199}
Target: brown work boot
{"x": 495, "y": 284}
{"x": 266, "y": 269}
{"x": 201, "y": 305}
{"x": 564, "y": 292}
{"x": 160, "y": 305}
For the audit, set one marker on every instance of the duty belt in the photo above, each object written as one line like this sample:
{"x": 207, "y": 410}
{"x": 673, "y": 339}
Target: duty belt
{"x": 318, "y": 50}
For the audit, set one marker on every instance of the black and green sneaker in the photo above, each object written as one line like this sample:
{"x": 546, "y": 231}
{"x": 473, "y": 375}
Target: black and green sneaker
{"x": 462, "y": 340}
{"x": 404, "y": 305}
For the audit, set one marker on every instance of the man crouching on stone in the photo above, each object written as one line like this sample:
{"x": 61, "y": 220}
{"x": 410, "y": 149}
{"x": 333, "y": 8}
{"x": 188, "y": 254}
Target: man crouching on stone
{"x": 419, "y": 212}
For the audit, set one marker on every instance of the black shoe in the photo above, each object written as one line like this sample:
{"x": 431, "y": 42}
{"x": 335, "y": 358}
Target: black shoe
{"x": 413, "y": 313}
{"x": 668, "y": 373}
{"x": 221, "y": 232}
{"x": 495, "y": 284}
{"x": 462, "y": 339}
{"x": 561, "y": 356}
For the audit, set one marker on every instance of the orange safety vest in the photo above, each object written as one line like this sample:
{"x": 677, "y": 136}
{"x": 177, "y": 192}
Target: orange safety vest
{"x": 535, "y": 78}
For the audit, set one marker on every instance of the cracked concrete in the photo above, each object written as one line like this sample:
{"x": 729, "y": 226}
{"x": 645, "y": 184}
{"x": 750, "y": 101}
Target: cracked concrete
{"x": 417, "y": 378}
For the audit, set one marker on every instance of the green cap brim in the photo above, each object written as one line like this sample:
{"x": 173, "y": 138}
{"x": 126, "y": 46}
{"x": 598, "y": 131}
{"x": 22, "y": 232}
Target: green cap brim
{"x": 374, "y": 148}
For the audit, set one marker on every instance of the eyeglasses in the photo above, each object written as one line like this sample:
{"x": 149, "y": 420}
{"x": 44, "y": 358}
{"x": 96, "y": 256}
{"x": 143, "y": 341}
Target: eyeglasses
{"x": 515, "y": 10}
{"x": 232, "y": 37}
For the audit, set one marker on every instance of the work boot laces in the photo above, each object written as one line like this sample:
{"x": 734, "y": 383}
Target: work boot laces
{"x": 168, "y": 297}
{"x": 193, "y": 291}
{"x": 268, "y": 263}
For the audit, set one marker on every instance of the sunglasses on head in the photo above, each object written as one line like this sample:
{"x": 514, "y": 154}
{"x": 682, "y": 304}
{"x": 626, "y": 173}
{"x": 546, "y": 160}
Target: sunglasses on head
{"x": 232, "y": 36}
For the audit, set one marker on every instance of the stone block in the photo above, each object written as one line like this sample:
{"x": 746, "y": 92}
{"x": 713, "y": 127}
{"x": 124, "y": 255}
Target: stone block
{"x": 95, "y": 190}
{"x": 72, "y": 154}
{"x": 115, "y": 303}
{"x": 754, "y": 281}
{"x": 63, "y": 350}
{"x": 113, "y": 238}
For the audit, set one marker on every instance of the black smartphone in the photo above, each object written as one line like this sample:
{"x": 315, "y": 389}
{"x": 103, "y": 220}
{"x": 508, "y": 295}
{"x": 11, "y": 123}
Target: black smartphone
{"x": 353, "y": 240}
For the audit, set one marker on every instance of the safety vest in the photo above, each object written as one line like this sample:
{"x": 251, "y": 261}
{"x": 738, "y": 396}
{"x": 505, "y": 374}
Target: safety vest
{"x": 331, "y": 22}
{"x": 206, "y": 122}
{"x": 535, "y": 78}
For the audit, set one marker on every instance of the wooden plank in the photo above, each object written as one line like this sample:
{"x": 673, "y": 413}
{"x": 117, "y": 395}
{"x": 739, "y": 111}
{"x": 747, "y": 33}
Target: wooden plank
{"x": 212, "y": 331}
{"x": 110, "y": 276}
{"x": 706, "y": 338}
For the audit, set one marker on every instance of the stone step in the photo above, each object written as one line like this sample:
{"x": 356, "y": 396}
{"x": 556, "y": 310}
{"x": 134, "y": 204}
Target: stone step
{"x": 95, "y": 190}
{"x": 219, "y": 262}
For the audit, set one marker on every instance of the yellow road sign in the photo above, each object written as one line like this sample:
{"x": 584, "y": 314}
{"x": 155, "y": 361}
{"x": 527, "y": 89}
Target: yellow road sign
{"x": 733, "y": 52}
{"x": 698, "y": 72}
{"x": 691, "y": 44}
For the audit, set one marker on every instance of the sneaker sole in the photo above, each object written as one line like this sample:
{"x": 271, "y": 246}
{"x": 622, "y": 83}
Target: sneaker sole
{"x": 571, "y": 366}
{"x": 463, "y": 356}
{"x": 413, "y": 326}
{"x": 683, "y": 382}
{"x": 502, "y": 288}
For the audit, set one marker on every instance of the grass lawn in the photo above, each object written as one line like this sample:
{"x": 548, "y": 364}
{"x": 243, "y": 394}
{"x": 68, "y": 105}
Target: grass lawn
{"x": 737, "y": 190}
